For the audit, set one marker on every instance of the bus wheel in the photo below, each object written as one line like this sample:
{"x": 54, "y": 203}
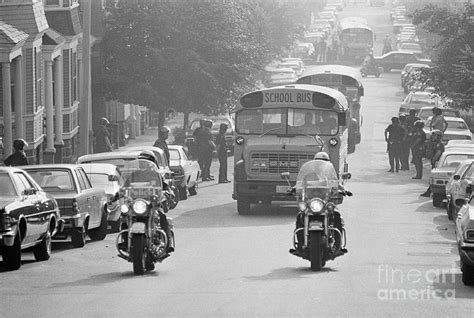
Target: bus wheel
{"x": 243, "y": 206}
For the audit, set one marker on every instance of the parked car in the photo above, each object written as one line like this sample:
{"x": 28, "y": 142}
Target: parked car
{"x": 426, "y": 112}
{"x": 457, "y": 129}
{"x": 297, "y": 66}
{"x": 186, "y": 171}
{"x": 303, "y": 51}
{"x": 217, "y": 121}
{"x": 28, "y": 217}
{"x": 119, "y": 158}
{"x": 465, "y": 241}
{"x": 410, "y": 47}
{"x": 107, "y": 177}
{"x": 417, "y": 100}
{"x": 447, "y": 164}
{"x": 82, "y": 207}
{"x": 282, "y": 76}
{"x": 398, "y": 60}
{"x": 465, "y": 173}
{"x": 406, "y": 76}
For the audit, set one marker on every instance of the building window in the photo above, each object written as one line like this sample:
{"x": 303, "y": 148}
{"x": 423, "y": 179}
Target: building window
{"x": 52, "y": 2}
{"x": 38, "y": 79}
{"x": 75, "y": 86}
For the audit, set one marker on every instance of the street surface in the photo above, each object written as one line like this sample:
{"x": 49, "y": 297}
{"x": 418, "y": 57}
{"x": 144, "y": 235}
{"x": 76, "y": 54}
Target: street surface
{"x": 402, "y": 252}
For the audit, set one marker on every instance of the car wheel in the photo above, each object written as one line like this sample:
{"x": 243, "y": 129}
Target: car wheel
{"x": 243, "y": 206}
{"x": 194, "y": 189}
{"x": 449, "y": 210}
{"x": 467, "y": 274}
{"x": 42, "y": 251}
{"x": 12, "y": 254}
{"x": 98, "y": 234}
{"x": 78, "y": 237}
{"x": 183, "y": 192}
{"x": 437, "y": 199}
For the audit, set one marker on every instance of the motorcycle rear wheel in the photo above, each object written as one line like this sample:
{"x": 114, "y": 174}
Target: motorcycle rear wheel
{"x": 138, "y": 254}
{"x": 315, "y": 251}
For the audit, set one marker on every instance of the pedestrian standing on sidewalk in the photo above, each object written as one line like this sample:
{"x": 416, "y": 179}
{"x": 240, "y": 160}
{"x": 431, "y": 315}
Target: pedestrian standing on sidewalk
{"x": 18, "y": 158}
{"x": 434, "y": 148}
{"x": 221, "y": 149}
{"x": 438, "y": 121}
{"x": 410, "y": 122}
{"x": 102, "y": 140}
{"x": 418, "y": 147}
{"x": 405, "y": 145}
{"x": 208, "y": 149}
{"x": 394, "y": 135}
{"x": 161, "y": 143}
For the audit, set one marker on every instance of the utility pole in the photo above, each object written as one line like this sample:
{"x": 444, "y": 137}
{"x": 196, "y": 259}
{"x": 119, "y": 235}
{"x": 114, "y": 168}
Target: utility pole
{"x": 85, "y": 108}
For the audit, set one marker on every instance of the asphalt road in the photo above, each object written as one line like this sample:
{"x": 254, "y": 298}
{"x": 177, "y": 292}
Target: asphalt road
{"x": 402, "y": 253}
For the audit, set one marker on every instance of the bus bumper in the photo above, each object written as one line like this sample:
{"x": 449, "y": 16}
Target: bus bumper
{"x": 260, "y": 191}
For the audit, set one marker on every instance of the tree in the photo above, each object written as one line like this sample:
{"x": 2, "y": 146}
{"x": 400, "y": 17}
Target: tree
{"x": 452, "y": 73}
{"x": 190, "y": 55}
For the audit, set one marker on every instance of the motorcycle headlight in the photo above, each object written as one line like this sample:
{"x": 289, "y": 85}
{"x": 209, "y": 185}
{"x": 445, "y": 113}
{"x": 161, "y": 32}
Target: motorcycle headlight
{"x": 124, "y": 208}
{"x": 139, "y": 206}
{"x": 302, "y": 206}
{"x": 316, "y": 205}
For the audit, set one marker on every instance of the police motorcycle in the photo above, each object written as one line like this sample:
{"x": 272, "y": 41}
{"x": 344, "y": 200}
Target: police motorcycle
{"x": 370, "y": 67}
{"x": 319, "y": 235}
{"x": 146, "y": 235}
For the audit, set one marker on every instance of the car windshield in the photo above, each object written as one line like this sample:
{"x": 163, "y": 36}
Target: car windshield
{"x": 316, "y": 179}
{"x": 280, "y": 121}
{"x": 7, "y": 189}
{"x": 458, "y": 125}
{"x": 422, "y": 99}
{"x": 216, "y": 122}
{"x": 174, "y": 154}
{"x": 98, "y": 179}
{"x": 455, "y": 159}
{"x": 52, "y": 180}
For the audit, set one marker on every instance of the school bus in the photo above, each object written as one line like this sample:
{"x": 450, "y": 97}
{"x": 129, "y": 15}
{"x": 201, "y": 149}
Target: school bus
{"x": 356, "y": 38}
{"x": 277, "y": 130}
{"x": 347, "y": 80}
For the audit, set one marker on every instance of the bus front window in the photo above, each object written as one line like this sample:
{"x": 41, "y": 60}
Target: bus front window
{"x": 261, "y": 121}
{"x": 312, "y": 122}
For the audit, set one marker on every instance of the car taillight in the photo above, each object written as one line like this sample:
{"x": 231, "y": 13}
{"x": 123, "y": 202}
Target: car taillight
{"x": 470, "y": 236}
{"x": 75, "y": 206}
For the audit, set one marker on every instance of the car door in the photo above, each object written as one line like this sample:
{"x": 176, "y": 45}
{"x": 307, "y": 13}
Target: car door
{"x": 93, "y": 198}
{"x": 30, "y": 210}
{"x": 84, "y": 197}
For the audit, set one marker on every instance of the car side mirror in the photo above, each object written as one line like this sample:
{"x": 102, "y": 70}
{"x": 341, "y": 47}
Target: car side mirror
{"x": 29, "y": 191}
{"x": 460, "y": 202}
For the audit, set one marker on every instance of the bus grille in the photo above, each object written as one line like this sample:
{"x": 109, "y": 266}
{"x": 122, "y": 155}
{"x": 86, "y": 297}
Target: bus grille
{"x": 277, "y": 162}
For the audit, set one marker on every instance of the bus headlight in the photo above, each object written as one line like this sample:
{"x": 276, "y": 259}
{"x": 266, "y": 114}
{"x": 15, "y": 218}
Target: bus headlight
{"x": 333, "y": 142}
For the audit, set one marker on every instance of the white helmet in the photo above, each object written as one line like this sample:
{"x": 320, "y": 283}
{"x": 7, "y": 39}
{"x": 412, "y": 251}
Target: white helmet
{"x": 321, "y": 156}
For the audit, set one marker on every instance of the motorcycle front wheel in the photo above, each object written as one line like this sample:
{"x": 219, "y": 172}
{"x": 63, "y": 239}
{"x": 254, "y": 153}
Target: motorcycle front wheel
{"x": 138, "y": 254}
{"x": 315, "y": 251}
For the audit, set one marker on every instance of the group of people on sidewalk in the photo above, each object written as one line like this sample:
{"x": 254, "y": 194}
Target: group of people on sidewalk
{"x": 405, "y": 134}
{"x": 204, "y": 147}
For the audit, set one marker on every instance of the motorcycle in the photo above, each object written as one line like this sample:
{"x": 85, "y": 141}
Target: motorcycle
{"x": 143, "y": 239}
{"x": 319, "y": 235}
{"x": 368, "y": 69}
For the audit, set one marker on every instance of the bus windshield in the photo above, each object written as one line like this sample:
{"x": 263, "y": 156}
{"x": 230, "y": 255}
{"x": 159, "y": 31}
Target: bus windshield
{"x": 357, "y": 36}
{"x": 287, "y": 121}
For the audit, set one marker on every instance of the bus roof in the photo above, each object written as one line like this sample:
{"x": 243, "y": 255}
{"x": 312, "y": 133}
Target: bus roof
{"x": 354, "y": 22}
{"x": 258, "y": 98}
{"x": 337, "y": 70}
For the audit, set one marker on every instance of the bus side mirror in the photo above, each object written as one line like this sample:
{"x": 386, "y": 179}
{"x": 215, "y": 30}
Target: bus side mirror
{"x": 361, "y": 91}
{"x": 346, "y": 176}
{"x": 341, "y": 118}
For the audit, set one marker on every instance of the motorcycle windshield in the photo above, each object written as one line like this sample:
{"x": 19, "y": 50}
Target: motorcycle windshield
{"x": 142, "y": 178}
{"x": 316, "y": 179}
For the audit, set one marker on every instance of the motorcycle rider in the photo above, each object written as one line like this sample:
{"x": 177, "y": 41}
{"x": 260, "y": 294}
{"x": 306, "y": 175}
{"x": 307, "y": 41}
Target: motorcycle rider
{"x": 370, "y": 64}
{"x": 326, "y": 196}
{"x": 148, "y": 174}
{"x": 161, "y": 141}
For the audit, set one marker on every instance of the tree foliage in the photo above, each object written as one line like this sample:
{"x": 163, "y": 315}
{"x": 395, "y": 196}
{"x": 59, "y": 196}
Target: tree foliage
{"x": 190, "y": 55}
{"x": 452, "y": 74}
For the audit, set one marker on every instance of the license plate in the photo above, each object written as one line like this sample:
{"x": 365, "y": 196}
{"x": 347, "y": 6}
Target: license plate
{"x": 137, "y": 228}
{"x": 282, "y": 189}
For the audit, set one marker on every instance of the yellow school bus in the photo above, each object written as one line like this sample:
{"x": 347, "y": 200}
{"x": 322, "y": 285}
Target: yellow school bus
{"x": 277, "y": 130}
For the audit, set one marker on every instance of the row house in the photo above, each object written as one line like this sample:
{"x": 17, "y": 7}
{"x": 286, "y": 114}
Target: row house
{"x": 40, "y": 87}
